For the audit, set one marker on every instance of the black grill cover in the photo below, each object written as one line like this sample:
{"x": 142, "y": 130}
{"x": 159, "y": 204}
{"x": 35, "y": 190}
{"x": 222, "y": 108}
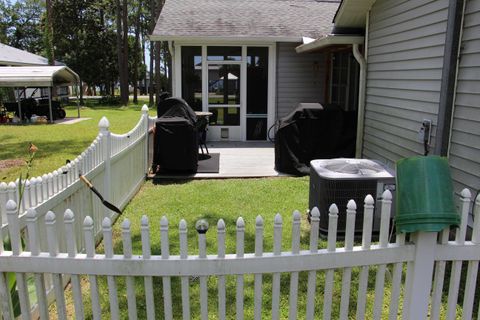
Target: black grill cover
{"x": 313, "y": 133}
{"x": 176, "y": 138}
{"x": 176, "y": 107}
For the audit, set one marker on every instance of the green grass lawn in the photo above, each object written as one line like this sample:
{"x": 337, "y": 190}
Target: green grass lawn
{"x": 191, "y": 200}
{"x": 227, "y": 199}
{"x": 58, "y": 142}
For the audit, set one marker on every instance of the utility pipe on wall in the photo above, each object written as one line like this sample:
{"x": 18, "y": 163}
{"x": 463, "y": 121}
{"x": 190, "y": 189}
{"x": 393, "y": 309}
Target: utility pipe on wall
{"x": 361, "y": 99}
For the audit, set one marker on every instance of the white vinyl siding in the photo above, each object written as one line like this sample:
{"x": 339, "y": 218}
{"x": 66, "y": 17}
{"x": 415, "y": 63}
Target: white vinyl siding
{"x": 300, "y": 78}
{"x": 464, "y": 154}
{"x": 406, "y": 43}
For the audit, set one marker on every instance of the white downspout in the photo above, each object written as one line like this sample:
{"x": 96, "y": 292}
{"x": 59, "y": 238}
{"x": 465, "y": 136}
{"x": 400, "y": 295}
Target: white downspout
{"x": 361, "y": 91}
{"x": 361, "y": 100}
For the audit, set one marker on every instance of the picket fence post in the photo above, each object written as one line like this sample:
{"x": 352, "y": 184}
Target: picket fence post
{"x": 107, "y": 153}
{"x": 145, "y": 123}
{"x": 421, "y": 272}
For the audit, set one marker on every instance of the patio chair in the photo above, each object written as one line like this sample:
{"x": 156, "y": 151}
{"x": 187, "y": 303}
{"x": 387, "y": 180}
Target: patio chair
{"x": 202, "y": 124}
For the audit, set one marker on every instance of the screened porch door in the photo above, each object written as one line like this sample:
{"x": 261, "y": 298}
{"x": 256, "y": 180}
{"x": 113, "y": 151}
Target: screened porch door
{"x": 234, "y": 83}
{"x": 257, "y": 93}
{"x": 224, "y": 100}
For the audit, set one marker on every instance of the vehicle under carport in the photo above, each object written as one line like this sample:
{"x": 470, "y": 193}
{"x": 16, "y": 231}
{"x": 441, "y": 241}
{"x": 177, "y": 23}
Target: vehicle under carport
{"x": 38, "y": 77}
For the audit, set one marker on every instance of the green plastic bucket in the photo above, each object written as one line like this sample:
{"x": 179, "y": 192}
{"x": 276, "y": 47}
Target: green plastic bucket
{"x": 424, "y": 195}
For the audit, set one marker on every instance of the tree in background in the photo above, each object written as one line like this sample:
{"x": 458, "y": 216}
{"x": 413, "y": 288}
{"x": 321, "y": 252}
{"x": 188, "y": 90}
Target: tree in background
{"x": 4, "y": 21}
{"x": 48, "y": 35}
{"x": 79, "y": 42}
{"x": 153, "y": 19}
{"x": 103, "y": 41}
{"x": 21, "y": 25}
{"x": 136, "y": 48}
{"x": 122, "y": 47}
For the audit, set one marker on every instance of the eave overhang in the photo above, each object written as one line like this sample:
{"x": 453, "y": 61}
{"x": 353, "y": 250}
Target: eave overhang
{"x": 352, "y": 13}
{"x": 220, "y": 39}
{"x": 330, "y": 40}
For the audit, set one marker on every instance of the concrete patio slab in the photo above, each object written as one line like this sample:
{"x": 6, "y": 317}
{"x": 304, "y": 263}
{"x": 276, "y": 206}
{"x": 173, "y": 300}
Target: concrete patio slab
{"x": 70, "y": 120}
{"x": 238, "y": 160}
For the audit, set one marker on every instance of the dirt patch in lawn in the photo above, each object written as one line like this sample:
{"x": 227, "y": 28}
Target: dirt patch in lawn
{"x": 10, "y": 163}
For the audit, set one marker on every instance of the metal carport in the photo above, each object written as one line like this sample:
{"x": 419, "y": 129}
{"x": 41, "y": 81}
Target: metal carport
{"x": 38, "y": 77}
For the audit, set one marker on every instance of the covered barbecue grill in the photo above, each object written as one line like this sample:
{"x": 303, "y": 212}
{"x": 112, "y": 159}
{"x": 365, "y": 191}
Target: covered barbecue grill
{"x": 176, "y": 138}
{"x": 313, "y": 131}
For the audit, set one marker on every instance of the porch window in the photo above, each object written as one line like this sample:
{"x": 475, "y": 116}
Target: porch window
{"x": 344, "y": 80}
{"x": 224, "y": 53}
{"x": 223, "y": 84}
{"x": 225, "y": 116}
{"x": 257, "y": 93}
{"x": 192, "y": 76}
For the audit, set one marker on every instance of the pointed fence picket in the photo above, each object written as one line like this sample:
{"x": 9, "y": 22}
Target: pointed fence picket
{"x": 277, "y": 248}
{"x": 384, "y": 232}
{"x": 457, "y": 264}
{"x": 258, "y": 276}
{"x": 347, "y": 272}
{"x": 148, "y": 281}
{"x": 312, "y": 274}
{"x": 127, "y": 255}
{"x": 221, "y": 278}
{"x": 112, "y": 285}
{"x": 410, "y": 294}
{"x": 329, "y": 274}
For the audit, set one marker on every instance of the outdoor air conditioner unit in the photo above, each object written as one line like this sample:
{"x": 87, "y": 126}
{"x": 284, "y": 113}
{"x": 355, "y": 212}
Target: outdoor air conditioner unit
{"x": 339, "y": 180}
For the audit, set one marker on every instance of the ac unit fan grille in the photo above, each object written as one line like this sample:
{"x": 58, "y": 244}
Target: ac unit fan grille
{"x": 340, "y": 192}
{"x": 361, "y": 168}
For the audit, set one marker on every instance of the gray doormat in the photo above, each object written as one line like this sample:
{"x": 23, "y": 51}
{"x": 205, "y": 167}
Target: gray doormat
{"x": 208, "y": 163}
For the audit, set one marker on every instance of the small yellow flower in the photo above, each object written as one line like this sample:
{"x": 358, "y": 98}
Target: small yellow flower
{"x": 33, "y": 148}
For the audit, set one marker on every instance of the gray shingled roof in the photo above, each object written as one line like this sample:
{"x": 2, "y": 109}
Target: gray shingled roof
{"x": 10, "y": 56}
{"x": 276, "y": 20}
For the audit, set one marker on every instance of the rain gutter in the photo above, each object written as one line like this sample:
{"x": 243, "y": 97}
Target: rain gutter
{"x": 448, "y": 88}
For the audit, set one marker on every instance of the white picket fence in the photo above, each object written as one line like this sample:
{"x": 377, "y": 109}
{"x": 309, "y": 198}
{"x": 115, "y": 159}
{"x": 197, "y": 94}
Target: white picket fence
{"x": 116, "y": 164}
{"x": 413, "y": 265}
